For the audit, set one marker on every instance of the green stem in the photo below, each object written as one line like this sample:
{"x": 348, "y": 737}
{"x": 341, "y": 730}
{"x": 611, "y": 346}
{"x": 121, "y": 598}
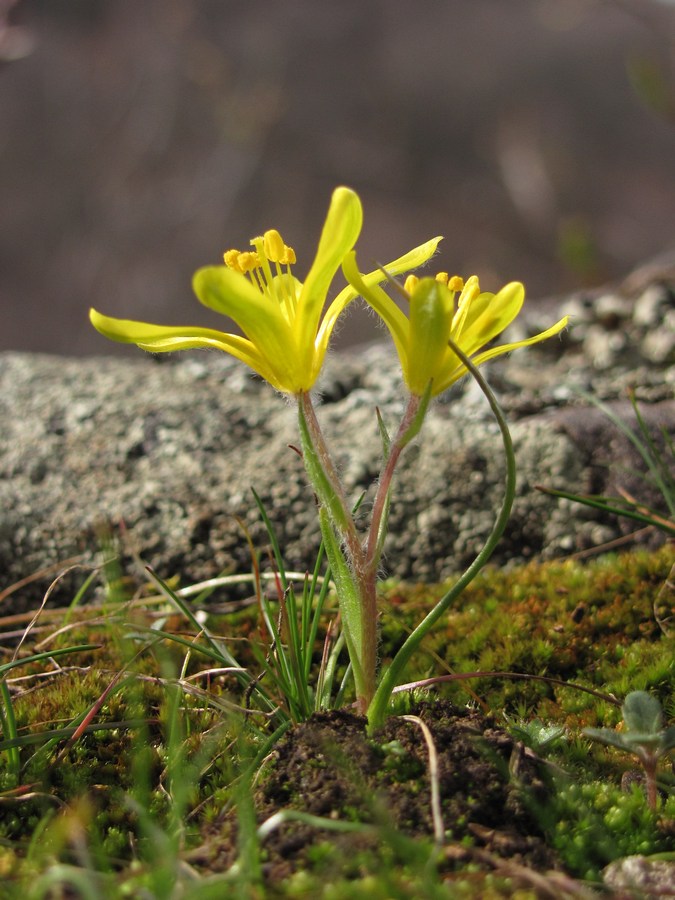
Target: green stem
{"x": 378, "y": 707}
{"x": 355, "y": 584}
{"x": 324, "y": 477}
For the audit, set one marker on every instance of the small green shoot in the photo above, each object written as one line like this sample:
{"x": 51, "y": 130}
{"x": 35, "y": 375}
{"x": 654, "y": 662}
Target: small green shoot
{"x": 644, "y": 737}
{"x": 538, "y": 736}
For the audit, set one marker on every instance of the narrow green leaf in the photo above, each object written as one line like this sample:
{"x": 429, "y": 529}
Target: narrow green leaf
{"x": 48, "y": 654}
{"x": 348, "y": 596}
{"x": 9, "y": 730}
{"x": 612, "y": 505}
{"x": 378, "y": 706}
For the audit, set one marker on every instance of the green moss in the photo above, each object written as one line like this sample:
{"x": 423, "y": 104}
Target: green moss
{"x": 586, "y": 623}
{"x": 592, "y": 824}
{"x": 591, "y": 623}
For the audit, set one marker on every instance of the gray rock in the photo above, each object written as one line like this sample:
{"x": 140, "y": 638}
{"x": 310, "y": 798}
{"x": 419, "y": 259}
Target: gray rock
{"x": 172, "y": 448}
{"x": 604, "y": 349}
{"x": 651, "y": 305}
{"x": 648, "y": 879}
{"x": 612, "y": 310}
{"x": 659, "y": 345}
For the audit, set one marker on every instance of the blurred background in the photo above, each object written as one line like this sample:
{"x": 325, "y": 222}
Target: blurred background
{"x": 138, "y": 140}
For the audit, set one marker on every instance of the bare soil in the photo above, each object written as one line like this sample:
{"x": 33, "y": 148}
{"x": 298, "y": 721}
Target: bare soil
{"x": 329, "y": 767}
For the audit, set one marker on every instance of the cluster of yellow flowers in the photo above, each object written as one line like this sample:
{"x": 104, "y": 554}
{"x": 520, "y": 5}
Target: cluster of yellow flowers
{"x": 286, "y": 326}
{"x": 285, "y": 329}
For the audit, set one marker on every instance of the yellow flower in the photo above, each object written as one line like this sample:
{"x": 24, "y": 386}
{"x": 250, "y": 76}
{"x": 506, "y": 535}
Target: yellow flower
{"x": 437, "y": 316}
{"x": 285, "y": 336}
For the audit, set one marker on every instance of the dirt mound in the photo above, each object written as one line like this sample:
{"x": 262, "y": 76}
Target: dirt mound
{"x": 329, "y": 767}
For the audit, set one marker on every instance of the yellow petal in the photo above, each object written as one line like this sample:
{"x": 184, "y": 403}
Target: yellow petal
{"x": 413, "y": 259}
{"x": 233, "y": 295}
{"x": 410, "y": 260}
{"x": 340, "y": 231}
{"x": 169, "y": 339}
{"x": 395, "y": 320}
{"x": 454, "y": 369}
{"x": 488, "y": 315}
{"x": 129, "y": 331}
{"x": 507, "y": 348}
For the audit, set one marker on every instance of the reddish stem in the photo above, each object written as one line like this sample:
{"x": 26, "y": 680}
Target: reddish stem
{"x": 649, "y": 763}
{"x": 397, "y": 447}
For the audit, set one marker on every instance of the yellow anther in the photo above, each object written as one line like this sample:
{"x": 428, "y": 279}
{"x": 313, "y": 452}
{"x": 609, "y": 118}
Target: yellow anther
{"x": 248, "y": 261}
{"x": 241, "y": 262}
{"x": 273, "y": 246}
{"x": 275, "y": 249}
{"x": 452, "y": 282}
{"x": 231, "y": 258}
{"x": 410, "y": 284}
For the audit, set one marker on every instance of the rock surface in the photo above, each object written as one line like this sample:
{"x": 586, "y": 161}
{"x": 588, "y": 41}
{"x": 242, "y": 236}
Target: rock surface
{"x": 637, "y": 876}
{"x": 173, "y": 448}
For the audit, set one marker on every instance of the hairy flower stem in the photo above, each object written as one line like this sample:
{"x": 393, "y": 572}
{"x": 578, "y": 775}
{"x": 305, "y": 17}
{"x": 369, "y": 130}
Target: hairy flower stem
{"x": 324, "y": 477}
{"x": 356, "y": 585}
{"x": 406, "y": 431}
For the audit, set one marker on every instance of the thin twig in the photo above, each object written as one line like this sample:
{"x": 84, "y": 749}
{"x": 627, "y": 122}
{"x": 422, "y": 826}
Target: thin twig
{"x": 461, "y": 676}
{"x": 38, "y": 612}
{"x": 436, "y": 815}
{"x": 36, "y": 576}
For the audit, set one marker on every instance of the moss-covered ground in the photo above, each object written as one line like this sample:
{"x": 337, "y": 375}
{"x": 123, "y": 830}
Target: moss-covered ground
{"x": 122, "y": 764}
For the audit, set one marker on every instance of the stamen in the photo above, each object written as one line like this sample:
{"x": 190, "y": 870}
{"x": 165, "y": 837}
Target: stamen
{"x": 256, "y": 264}
{"x": 275, "y": 249}
{"x": 453, "y": 283}
{"x": 265, "y": 272}
{"x": 273, "y": 246}
{"x": 470, "y": 290}
{"x": 257, "y": 279}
